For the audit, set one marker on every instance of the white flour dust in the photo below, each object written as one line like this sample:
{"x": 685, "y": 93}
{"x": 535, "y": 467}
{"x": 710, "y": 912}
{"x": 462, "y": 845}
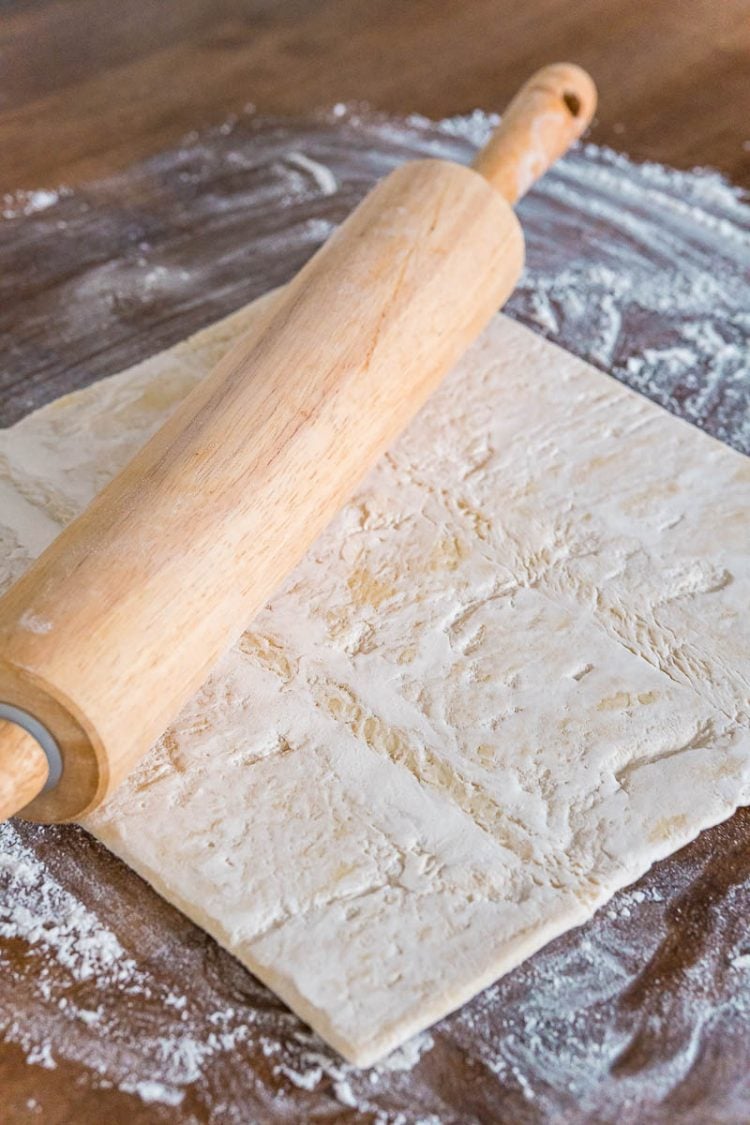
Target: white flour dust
{"x": 79, "y": 964}
{"x": 29, "y": 202}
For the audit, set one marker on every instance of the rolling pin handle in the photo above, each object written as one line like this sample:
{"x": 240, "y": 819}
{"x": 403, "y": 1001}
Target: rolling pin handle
{"x": 30, "y": 760}
{"x": 551, "y": 111}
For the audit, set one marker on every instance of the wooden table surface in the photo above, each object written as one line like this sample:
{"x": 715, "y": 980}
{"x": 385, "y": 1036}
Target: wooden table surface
{"x": 86, "y": 86}
{"x": 89, "y": 87}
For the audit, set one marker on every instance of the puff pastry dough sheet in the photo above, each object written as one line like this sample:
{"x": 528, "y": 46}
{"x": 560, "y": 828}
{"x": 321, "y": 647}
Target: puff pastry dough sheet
{"x": 511, "y": 675}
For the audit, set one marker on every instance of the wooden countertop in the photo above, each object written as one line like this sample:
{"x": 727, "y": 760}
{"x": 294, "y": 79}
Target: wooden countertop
{"x": 87, "y": 87}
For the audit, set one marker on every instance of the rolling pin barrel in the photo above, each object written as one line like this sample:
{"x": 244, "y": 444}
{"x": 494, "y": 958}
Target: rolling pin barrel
{"x": 112, "y": 629}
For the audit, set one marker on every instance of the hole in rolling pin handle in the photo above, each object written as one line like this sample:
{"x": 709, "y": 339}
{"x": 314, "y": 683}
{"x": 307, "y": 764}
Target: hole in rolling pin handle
{"x": 573, "y": 102}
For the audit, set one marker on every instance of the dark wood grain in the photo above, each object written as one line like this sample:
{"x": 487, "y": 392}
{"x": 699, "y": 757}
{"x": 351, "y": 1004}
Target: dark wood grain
{"x": 86, "y": 87}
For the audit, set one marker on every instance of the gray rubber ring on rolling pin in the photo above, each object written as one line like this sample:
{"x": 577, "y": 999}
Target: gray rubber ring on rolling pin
{"x": 39, "y": 732}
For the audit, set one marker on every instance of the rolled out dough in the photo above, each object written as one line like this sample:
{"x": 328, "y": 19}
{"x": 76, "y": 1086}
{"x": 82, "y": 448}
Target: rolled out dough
{"x": 511, "y": 675}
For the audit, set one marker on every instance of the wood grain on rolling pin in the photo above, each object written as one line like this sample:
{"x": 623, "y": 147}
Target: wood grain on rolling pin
{"x": 222, "y": 502}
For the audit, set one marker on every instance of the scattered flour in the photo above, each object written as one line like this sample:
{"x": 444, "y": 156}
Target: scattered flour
{"x": 323, "y": 177}
{"x": 30, "y": 202}
{"x": 36, "y": 909}
{"x": 150, "y": 1091}
{"x": 72, "y": 948}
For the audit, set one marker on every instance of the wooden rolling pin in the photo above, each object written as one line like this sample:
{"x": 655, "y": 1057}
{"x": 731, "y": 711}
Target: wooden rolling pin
{"x": 121, "y": 619}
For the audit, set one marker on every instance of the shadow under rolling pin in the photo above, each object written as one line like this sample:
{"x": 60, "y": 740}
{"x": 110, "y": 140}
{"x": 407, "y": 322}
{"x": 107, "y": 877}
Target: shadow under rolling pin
{"x": 143, "y": 592}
